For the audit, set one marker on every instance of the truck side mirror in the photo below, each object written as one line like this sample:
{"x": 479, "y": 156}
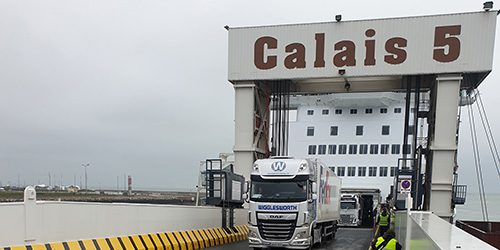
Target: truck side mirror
{"x": 245, "y": 196}
{"x": 247, "y": 187}
{"x": 314, "y": 187}
{"x": 313, "y": 198}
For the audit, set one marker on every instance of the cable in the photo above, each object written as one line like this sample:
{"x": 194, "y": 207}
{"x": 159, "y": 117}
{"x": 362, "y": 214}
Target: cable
{"x": 477, "y": 162}
{"x": 487, "y": 131}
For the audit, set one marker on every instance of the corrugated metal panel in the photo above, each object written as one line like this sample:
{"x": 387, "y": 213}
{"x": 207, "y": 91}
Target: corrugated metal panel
{"x": 477, "y": 34}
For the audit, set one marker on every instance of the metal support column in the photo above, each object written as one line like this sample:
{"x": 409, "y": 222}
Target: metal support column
{"x": 442, "y": 143}
{"x": 251, "y": 125}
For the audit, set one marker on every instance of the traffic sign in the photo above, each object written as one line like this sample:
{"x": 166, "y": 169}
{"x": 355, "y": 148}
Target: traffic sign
{"x": 405, "y": 186}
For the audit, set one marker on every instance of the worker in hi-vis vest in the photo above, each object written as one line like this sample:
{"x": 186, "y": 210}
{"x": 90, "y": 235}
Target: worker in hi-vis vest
{"x": 383, "y": 221}
{"x": 387, "y": 242}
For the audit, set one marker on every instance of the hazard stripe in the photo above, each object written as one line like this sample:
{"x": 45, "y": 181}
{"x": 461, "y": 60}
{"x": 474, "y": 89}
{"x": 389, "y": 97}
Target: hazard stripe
{"x": 166, "y": 241}
{"x": 188, "y": 237}
{"x": 114, "y": 244}
{"x": 126, "y": 243}
{"x": 239, "y": 232}
{"x": 102, "y": 244}
{"x": 223, "y": 234}
{"x": 41, "y": 247}
{"x": 214, "y": 236}
{"x": 219, "y": 236}
{"x": 208, "y": 242}
{"x": 156, "y": 241}
{"x": 146, "y": 242}
{"x": 174, "y": 241}
{"x": 232, "y": 235}
{"x": 199, "y": 239}
{"x": 136, "y": 241}
{"x": 181, "y": 241}
{"x": 16, "y": 248}
{"x": 187, "y": 240}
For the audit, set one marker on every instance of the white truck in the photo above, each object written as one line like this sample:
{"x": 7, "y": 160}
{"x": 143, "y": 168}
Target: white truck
{"x": 293, "y": 203}
{"x": 351, "y": 210}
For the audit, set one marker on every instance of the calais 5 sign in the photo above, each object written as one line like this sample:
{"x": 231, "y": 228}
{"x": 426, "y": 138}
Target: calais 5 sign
{"x": 398, "y": 46}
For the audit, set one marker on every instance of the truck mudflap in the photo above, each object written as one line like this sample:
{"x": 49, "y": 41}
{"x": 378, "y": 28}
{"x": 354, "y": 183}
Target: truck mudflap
{"x": 301, "y": 239}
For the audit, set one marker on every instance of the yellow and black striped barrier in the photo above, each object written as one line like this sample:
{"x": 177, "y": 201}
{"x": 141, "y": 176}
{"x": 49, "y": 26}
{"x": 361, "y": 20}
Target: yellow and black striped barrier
{"x": 181, "y": 240}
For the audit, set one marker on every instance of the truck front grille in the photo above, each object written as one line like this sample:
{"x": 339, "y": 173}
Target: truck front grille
{"x": 345, "y": 219}
{"x": 276, "y": 230}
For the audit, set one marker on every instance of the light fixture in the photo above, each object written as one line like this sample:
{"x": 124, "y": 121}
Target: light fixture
{"x": 488, "y": 5}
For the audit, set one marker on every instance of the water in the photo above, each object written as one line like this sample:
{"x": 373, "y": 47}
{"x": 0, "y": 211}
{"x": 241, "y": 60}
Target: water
{"x": 472, "y": 208}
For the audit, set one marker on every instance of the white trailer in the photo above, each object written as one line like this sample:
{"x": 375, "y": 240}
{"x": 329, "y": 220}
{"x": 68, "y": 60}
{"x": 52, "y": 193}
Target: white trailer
{"x": 294, "y": 203}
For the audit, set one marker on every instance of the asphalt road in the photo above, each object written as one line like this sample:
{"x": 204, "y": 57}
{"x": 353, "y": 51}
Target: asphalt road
{"x": 346, "y": 238}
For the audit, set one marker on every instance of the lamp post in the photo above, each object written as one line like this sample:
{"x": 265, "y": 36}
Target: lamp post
{"x": 86, "y": 166}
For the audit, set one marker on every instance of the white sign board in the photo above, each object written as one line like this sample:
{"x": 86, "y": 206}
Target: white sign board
{"x": 236, "y": 192}
{"x": 453, "y": 43}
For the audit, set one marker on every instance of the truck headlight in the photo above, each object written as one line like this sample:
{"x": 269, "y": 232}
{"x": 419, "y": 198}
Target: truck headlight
{"x": 300, "y": 235}
{"x": 253, "y": 234}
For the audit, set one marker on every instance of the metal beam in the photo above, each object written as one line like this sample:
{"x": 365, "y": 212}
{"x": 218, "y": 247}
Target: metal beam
{"x": 442, "y": 142}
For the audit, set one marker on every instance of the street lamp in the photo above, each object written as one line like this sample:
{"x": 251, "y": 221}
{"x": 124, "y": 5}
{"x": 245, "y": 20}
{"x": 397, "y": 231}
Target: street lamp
{"x": 86, "y": 166}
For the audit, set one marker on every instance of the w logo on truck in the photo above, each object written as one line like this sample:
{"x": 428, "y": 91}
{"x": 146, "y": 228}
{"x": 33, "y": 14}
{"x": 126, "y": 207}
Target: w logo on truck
{"x": 278, "y": 166}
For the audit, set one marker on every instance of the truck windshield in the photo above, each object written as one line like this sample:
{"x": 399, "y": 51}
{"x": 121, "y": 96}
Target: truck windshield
{"x": 279, "y": 191}
{"x": 347, "y": 205}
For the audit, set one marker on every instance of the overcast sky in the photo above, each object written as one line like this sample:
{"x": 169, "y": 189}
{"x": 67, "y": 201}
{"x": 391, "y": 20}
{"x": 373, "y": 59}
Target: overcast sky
{"x": 140, "y": 87}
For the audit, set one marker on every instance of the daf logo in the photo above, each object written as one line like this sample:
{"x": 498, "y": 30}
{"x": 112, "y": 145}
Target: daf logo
{"x": 272, "y": 216}
{"x": 278, "y": 166}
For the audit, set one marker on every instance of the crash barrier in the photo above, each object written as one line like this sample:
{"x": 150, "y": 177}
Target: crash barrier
{"x": 179, "y": 240}
{"x": 37, "y": 222}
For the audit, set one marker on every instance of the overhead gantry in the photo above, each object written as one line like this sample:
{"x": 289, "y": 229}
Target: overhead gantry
{"x": 442, "y": 54}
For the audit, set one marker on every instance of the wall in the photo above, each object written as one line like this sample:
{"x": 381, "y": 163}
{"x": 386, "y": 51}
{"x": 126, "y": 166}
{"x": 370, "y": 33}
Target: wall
{"x": 425, "y": 230}
{"x": 41, "y": 222}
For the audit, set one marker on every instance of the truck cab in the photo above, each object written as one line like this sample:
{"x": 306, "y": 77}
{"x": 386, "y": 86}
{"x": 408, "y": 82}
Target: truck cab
{"x": 292, "y": 203}
{"x": 350, "y": 210}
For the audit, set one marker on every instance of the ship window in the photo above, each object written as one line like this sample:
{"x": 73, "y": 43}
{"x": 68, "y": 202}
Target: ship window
{"x": 383, "y": 171}
{"x": 310, "y": 112}
{"x": 353, "y": 111}
{"x": 395, "y": 149}
{"x": 372, "y": 171}
{"x": 363, "y": 149}
{"x": 385, "y": 129}
{"x": 325, "y": 111}
{"x": 361, "y": 171}
{"x": 312, "y": 150}
{"x": 333, "y": 169}
{"x": 310, "y": 131}
{"x": 384, "y": 149}
{"x": 368, "y": 111}
{"x": 322, "y": 149}
{"x": 407, "y": 149}
{"x": 342, "y": 149}
{"x": 359, "y": 130}
{"x": 353, "y": 149}
{"x": 340, "y": 171}
{"x": 351, "y": 171}
{"x": 383, "y": 110}
{"x": 334, "y": 130}
{"x": 332, "y": 149}
{"x": 338, "y": 111}
{"x": 393, "y": 171}
{"x": 397, "y": 110}
{"x": 374, "y": 149}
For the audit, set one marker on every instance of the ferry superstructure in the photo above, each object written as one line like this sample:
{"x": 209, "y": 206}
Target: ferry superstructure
{"x": 358, "y": 135}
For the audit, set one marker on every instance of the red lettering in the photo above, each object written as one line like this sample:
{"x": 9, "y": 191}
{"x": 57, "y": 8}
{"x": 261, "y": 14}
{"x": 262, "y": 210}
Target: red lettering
{"x": 259, "y": 45}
